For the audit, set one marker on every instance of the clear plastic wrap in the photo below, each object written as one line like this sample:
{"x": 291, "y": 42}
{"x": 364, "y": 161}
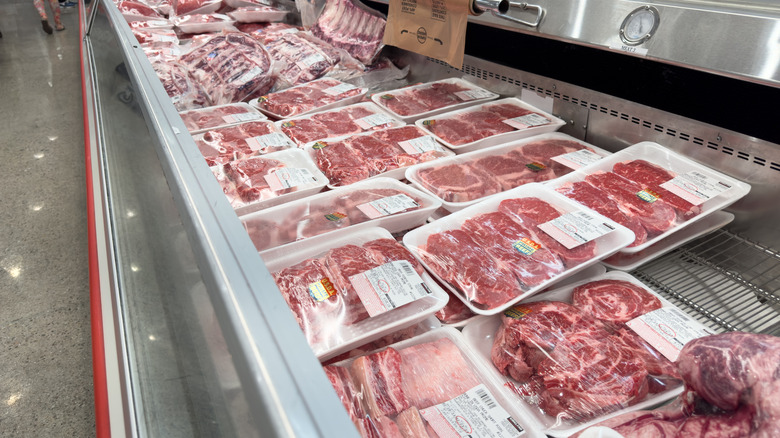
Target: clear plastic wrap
{"x": 191, "y": 7}
{"x": 508, "y": 247}
{"x": 381, "y": 202}
{"x": 258, "y": 14}
{"x": 222, "y": 145}
{"x": 185, "y": 93}
{"x": 352, "y": 26}
{"x": 385, "y": 152}
{"x": 424, "y": 388}
{"x": 219, "y": 116}
{"x": 137, "y": 11}
{"x": 155, "y": 35}
{"x": 656, "y": 191}
{"x": 324, "y": 125}
{"x": 322, "y": 281}
{"x": 429, "y": 99}
{"x": 489, "y": 124}
{"x": 231, "y": 67}
{"x": 464, "y": 180}
{"x": 203, "y": 23}
{"x": 317, "y": 95}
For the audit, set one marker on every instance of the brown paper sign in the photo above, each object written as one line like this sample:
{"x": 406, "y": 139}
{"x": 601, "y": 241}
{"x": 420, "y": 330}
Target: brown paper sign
{"x": 435, "y": 28}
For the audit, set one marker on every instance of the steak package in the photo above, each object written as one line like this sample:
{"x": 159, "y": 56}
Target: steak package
{"x": 272, "y": 179}
{"x": 257, "y": 14}
{"x": 732, "y": 384}
{"x": 194, "y": 7}
{"x": 222, "y": 145}
{"x": 185, "y": 93}
{"x": 497, "y": 252}
{"x": 588, "y": 351}
{"x": 219, "y": 116}
{"x": 348, "y": 120}
{"x": 386, "y": 152}
{"x": 467, "y": 178}
{"x": 317, "y": 95}
{"x": 429, "y": 386}
{"x": 489, "y": 124}
{"x": 429, "y": 99}
{"x": 203, "y": 23}
{"x": 651, "y": 190}
{"x": 231, "y": 67}
{"x": 137, "y": 11}
{"x": 352, "y": 26}
{"x": 352, "y": 287}
{"x": 380, "y": 202}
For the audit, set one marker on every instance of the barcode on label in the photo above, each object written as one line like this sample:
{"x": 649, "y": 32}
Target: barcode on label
{"x": 486, "y": 398}
{"x": 423, "y": 288}
{"x": 407, "y": 269}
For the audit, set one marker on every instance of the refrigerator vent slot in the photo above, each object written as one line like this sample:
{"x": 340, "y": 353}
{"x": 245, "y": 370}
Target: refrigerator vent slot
{"x": 725, "y": 281}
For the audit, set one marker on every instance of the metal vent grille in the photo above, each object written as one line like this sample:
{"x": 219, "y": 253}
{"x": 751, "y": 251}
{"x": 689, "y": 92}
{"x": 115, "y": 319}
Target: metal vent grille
{"x": 726, "y": 281}
{"x": 647, "y": 124}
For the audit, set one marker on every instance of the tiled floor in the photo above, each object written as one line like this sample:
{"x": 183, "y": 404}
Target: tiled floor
{"x": 45, "y": 350}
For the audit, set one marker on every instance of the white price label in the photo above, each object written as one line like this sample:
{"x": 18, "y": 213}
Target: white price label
{"x": 388, "y": 206}
{"x": 527, "y": 121}
{"x": 420, "y": 144}
{"x": 289, "y": 177}
{"x": 575, "y": 228}
{"x": 389, "y": 286}
{"x": 274, "y": 140}
{"x": 668, "y": 329}
{"x": 310, "y": 60}
{"x": 243, "y": 117}
{"x": 373, "y": 120}
{"x": 160, "y": 38}
{"x": 577, "y": 159}
{"x": 695, "y": 187}
{"x": 477, "y": 93}
{"x": 339, "y": 89}
{"x": 251, "y": 74}
{"x": 472, "y": 414}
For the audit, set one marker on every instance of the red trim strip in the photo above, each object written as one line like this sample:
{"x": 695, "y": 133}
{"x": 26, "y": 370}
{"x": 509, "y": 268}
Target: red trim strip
{"x": 102, "y": 425}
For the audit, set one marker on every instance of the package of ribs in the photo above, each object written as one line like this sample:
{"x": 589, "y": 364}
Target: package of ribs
{"x": 353, "y": 27}
{"x": 258, "y": 14}
{"x": 651, "y": 190}
{"x": 219, "y": 116}
{"x": 223, "y": 145}
{"x": 324, "y": 125}
{"x": 203, "y": 23}
{"x": 732, "y": 383}
{"x": 588, "y": 351}
{"x": 489, "y": 124}
{"x": 318, "y": 95}
{"x": 430, "y": 386}
{"x": 513, "y": 245}
{"x": 380, "y": 202}
{"x": 352, "y": 287}
{"x": 468, "y": 178}
{"x": 386, "y": 152}
{"x": 426, "y": 100}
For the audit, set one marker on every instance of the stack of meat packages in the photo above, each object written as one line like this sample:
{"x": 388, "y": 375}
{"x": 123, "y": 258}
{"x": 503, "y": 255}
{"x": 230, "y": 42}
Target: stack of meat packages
{"x": 578, "y": 360}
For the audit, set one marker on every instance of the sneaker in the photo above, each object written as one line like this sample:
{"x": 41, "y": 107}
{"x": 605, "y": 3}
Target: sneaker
{"x": 46, "y": 26}
{"x": 60, "y": 27}
{"x": 67, "y": 4}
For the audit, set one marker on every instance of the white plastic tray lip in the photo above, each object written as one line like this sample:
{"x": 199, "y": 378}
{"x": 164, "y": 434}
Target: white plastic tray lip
{"x": 385, "y": 323}
{"x": 393, "y": 223}
{"x": 657, "y": 154}
{"x": 631, "y": 261}
{"x": 413, "y": 172}
{"x": 476, "y": 332}
{"x": 395, "y": 173}
{"x": 377, "y": 98}
{"x": 339, "y": 103}
{"x": 293, "y": 158}
{"x": 481, "y": 369}
{"x": 493, "y": 140}
{"x": 606, "y": 245}
{"x": 246, "y": 106}
{"x": 376, "y": 109}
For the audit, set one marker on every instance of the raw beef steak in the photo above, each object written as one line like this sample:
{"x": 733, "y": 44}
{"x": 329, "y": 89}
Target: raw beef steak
{"x": 512, "y": 171}
{"x": 615, "y": 301}
{"x": 649, "y": 175}
{"x": 458, "y": 182}
{"x": 389, "y": 250}
{"x": 348, "y": 393}
{"x": 341, "y": 165}
{"x": 249, "y": 175}
{"x": 454, "y": 311}
{"x": 344, "y": 262}
{"x": 207, "y": 118}
{"x": 378, "y": 376}
{"x": 305, "y": 98}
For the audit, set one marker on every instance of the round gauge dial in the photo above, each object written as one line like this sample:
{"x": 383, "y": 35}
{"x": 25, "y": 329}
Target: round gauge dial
{"x": 639, "y": 25}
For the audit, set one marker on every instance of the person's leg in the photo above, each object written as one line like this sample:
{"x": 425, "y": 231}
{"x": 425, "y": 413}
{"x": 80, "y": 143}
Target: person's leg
{"x": 55, "y": 7}
{"x": 42, "y": 12}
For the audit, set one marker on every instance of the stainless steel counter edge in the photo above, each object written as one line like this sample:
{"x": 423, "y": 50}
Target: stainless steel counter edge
{"x": 279, "y": 372}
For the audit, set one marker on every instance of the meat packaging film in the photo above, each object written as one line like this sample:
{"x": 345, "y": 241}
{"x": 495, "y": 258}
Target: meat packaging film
{"x": 257, "y": 14}
{"x": 382, "y": 202}
{"x": 656, "y": 191}
{"x": 489, "y": 124}
{"x": 382, "y": 153}
{"x": 468, "y": 178}
{"x": 203, "y": 23}
{"x": 248, "y": 139}
{"x": 429, "y": 99}
{"x": 559, "y": 352}
{"x": 495, "y": 253}
{"x": 314, "y": 96}
{"x": 219, "y": 116}
{"x": 193, "y": 7}
{"x": 346, "y": 316}
{"x": 422, "y": 385}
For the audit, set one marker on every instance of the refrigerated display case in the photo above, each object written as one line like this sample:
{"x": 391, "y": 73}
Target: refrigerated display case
{"x": 191, "y": 337}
